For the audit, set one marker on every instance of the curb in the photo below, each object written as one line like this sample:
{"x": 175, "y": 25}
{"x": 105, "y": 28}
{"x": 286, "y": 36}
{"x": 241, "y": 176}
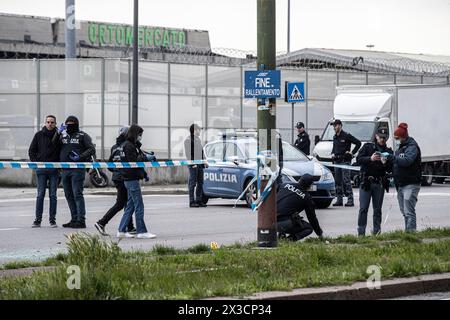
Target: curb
{"x": 394, "y": 288}
{"x": 23, "y": 271}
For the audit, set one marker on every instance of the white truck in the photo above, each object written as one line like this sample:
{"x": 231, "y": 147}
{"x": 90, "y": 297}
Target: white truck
{"x": 425, "y": 108}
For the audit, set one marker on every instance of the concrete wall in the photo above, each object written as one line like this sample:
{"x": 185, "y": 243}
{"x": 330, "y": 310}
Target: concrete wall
{"x": 158, "y": 176}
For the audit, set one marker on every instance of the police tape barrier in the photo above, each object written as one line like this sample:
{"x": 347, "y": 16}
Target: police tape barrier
{"x": 356, "y": 168}
{"x": 100, "y": 165}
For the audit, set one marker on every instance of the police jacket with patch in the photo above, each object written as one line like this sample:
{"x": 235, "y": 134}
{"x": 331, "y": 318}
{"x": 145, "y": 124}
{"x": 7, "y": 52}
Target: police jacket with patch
{"x": 291, "y": 199}
{"x": 193, "y": 148}
{"x": 373, "y": 168}
{"x": 407, "y": 167}
{"x": 131, "y": 152}
{"x": 303, "y": 143}
{"x": 42, "y": 148}
{"x": 79, "y": 142}
{"x": 115, "y": 156}
{"x": 342, "y": 143}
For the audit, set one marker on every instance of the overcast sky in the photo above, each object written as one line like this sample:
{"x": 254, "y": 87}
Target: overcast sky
{"x": 413, "y": 26}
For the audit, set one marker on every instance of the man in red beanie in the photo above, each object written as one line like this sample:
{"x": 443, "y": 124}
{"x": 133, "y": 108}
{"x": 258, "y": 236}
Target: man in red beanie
{"x": 407, "y": 171}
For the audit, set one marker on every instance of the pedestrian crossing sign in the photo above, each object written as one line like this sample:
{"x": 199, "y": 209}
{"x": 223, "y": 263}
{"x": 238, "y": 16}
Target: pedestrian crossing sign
{"x": 295, "y": 92}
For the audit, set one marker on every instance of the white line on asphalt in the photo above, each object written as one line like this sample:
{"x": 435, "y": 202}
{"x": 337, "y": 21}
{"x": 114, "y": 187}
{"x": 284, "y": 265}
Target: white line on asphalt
{"x": 9, "y": 229}
{"x": 90, "y": 196}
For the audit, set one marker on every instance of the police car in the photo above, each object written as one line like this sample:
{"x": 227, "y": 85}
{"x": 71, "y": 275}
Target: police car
{"x": 234, "y": 167}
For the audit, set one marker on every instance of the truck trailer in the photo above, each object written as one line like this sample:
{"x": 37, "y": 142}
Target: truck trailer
{"x": 425, "y": 108}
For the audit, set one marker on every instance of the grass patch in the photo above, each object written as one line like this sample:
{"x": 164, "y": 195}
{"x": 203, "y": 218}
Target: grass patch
{"x": 238, "y": 270}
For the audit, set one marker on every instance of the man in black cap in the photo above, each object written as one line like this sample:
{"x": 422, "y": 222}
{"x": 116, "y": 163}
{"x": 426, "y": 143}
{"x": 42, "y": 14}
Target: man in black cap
{"x": 76, "y": 146}
{"x": 302, "y": 143}
{"x": 342, "y": 143}
{"x": 293, "y": 198}
{"x": 376, "y": 161}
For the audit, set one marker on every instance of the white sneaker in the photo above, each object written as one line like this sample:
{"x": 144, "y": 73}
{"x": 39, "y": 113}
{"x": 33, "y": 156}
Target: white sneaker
{"x": 125, "y": 235}
{"x": 146, "y": 235}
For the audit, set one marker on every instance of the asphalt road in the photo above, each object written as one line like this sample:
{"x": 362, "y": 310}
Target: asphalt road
{"x": 177, "y": 225}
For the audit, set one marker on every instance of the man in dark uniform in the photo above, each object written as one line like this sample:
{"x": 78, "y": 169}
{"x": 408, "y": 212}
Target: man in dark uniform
{"x": 293, "y": 198}
{"x": 193, "y": 149}
{"x": 375, "y": 160}
{"x": 342, "y": 143}
{"x": 302, "y": 143}
{"x": 76, "y": 146}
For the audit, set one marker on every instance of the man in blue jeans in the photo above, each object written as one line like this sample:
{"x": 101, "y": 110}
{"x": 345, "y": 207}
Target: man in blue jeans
{"x": 76, "y": 146}
{"x": 375, "y": 159}
{"x": 407, "y": 171}
{"x": 43, "y": 150}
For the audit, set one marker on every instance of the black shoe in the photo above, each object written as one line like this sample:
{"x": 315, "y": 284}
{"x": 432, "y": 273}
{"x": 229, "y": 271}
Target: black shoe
{"x": 53, "y": 224}
{"x": 101, "y": 229}
{"x": 68, "y": 224}
{"x": 202, "y": 205}
{"x": 194, "y": 205}
{"x": 338, "y": 204}
{"x": 36, "y": 224}
{"x": 79, "y": 225}
{"x": 349, "y": 204}
{"x": 132, "y": 230}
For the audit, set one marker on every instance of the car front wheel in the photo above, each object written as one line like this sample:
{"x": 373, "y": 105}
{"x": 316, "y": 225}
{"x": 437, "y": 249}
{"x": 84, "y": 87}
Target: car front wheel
{"x": 251, "y": 195}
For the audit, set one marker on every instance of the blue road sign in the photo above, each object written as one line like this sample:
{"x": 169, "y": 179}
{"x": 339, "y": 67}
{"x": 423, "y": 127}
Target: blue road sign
{"x": 295, "y": 92}
{"x": 262, "y": 84}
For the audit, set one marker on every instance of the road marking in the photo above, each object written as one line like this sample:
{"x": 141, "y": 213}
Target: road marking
{"x": 9, "y": 229}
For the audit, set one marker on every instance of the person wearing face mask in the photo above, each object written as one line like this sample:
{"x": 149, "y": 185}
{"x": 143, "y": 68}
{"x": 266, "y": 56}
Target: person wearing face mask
{"x": 75, "y": 146}
{"x": 131, "y": 152}
{"x": 43, "y": 150}
{"x": 407, "y": 172}
{"x": 375, "y": 160}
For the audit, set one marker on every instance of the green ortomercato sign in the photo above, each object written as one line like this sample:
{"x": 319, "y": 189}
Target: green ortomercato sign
{"x": 122, "y": 35}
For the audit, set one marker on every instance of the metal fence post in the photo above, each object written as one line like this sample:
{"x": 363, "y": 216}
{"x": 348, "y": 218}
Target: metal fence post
{"x": 102, "y": 101}
{"x": 206, "y": 98}
{"x": 242, "y": 97}
{"x": 306, "y": 101}
{"x": 38, "y": 93}
{"x": 169, "y": 110}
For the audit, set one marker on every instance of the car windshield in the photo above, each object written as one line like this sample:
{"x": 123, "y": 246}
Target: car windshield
{"x": 361, "y": 130}
{"x": 290, "y": 153}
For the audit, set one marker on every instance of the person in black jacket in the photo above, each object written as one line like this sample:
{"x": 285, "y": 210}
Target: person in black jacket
{"x": 342, "y": 143}
{"x": 407, "y": 171}
{"x": 43, "y": 150}
{"x": 75, "y": 146}
{"x": 122, "y": 193}
{"x": 293, "y": 198}
{"x": 193, "y": 149}
{"x": 375, "y": 160}
{"x": 131, "y": 152}
{"x": 302, "y": 143}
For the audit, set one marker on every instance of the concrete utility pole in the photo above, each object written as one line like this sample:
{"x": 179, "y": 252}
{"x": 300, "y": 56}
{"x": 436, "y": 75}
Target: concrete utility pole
{"x": 135, "y": 95}
{"x": 267, "y": 221}
{"x": 70, "y": 30}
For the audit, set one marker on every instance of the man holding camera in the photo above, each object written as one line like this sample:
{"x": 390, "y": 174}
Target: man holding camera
{"x": 375, "y": 160}
{"x": 342, "y": 142}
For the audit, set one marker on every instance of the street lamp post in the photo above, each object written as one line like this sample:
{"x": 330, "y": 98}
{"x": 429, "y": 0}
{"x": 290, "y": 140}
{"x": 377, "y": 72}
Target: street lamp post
{"x": 135, "y": 95}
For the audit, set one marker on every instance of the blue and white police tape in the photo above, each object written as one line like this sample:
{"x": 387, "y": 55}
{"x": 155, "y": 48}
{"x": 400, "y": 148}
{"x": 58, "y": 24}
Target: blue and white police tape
{"x": 100, "y": 165}
{"x": 341, "y": 166}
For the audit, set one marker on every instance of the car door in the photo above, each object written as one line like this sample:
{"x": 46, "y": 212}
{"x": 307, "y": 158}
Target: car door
{"x": 231, "y": 179}
{"x": 213, "y": 151}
